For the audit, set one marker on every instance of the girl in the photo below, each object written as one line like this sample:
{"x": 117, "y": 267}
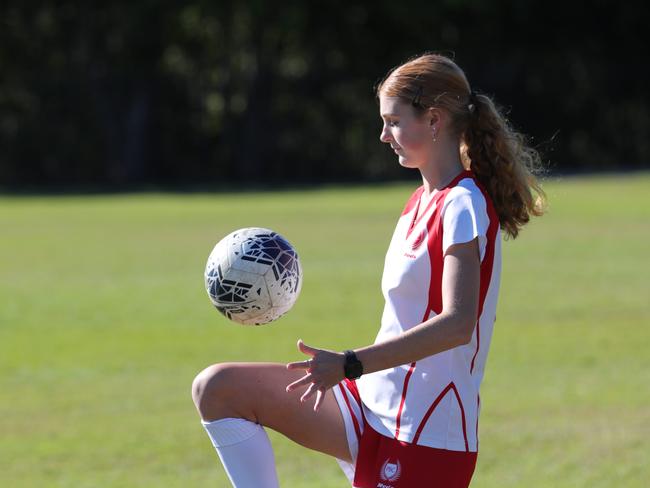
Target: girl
{"x": 404, "y": 411}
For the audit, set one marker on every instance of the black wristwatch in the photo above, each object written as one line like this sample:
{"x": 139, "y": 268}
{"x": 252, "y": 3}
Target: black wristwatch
{"x": 353, "y": 368}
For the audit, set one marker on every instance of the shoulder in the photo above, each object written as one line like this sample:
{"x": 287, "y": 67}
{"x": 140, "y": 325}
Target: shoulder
{"x": 466, "y": 215}
{"x": 465, "y": 194}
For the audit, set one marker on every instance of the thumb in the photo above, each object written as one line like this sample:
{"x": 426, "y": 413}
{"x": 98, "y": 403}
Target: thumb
{"x": 304, "y": 348}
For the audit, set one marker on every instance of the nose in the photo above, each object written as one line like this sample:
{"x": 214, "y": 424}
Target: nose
{"x": 385, "y": 135}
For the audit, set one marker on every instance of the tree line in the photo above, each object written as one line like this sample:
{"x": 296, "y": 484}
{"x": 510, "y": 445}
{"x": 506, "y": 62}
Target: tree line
{"x": 220, "y": 92}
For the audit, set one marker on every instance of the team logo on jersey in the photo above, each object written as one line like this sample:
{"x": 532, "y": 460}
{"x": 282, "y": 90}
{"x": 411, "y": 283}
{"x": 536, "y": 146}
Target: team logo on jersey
{"x": 390, "y": 471}
{"x": 417, "y": 242}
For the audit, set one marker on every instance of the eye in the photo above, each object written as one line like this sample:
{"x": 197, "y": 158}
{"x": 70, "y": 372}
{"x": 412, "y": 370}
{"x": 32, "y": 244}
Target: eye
{"x": 393, "y": 123}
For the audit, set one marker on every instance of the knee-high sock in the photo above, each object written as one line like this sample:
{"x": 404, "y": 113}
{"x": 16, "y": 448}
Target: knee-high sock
{"x": 245, "y": 451}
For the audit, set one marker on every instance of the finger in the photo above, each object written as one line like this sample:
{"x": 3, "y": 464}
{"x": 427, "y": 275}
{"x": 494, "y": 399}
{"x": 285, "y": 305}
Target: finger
{"x": 300, "y": 365}
{"x": 304, "y": 348}
{"x": 298, "y": 383}
{"x": 310, "y": 391}
{"x": 320, "y": 396}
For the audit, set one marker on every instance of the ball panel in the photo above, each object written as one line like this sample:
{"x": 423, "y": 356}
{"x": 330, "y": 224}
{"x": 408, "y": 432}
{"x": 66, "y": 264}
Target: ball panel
{"x": 284, "y": 283}
{"x": 242, "y": 301}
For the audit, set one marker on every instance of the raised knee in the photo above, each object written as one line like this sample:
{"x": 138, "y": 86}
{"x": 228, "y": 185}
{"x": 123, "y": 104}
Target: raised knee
{"x": 212, "y": 388}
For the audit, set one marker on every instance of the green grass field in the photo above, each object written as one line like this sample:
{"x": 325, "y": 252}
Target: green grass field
{"x": 104, "y": 323}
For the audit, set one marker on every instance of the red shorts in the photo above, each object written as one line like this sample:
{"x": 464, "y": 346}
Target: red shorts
{"x": 385, "y": 462}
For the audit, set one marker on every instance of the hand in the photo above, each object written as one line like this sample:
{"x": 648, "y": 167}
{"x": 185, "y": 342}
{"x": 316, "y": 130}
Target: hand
{"x": 324, "y": 370}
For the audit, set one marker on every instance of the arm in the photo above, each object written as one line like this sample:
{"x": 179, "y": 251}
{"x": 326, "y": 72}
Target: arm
{"x": 451, "y": 328}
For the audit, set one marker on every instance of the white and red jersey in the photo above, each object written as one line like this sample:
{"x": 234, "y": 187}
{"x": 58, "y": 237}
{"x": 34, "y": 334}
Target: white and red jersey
{"x": 435, "y": 401}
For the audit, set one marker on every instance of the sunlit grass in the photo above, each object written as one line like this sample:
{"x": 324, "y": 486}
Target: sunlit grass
{"x": 104, "y": 322}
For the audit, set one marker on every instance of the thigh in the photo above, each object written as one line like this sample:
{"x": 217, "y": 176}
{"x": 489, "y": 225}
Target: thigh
{"x": 258, "y": 393}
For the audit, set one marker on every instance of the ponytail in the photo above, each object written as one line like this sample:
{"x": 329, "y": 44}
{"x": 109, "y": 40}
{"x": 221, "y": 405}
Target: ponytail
{"x": 499, "y": 157}
{"x": 504, "y": 165}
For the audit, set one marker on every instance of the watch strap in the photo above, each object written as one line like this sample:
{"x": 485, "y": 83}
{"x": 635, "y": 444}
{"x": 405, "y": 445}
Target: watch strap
{"x": 352, "y": 367}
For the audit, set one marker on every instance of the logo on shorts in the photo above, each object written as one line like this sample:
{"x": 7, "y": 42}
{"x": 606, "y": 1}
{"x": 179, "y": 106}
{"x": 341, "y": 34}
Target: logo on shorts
{"x": 390, "y": 471}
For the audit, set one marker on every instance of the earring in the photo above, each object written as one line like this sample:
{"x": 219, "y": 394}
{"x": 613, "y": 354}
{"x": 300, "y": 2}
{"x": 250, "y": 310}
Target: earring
{"x": 434, "y": 135}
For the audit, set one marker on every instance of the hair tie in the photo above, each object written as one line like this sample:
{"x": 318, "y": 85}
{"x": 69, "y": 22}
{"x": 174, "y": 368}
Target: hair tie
{"x": 473, "y": 101}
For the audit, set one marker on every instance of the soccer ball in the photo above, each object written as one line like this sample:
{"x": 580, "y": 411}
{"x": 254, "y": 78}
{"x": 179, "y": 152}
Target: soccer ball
{"x": 253, "y": 276}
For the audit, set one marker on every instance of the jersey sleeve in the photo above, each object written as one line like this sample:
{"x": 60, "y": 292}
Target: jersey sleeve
{"x": 465, "y": 217}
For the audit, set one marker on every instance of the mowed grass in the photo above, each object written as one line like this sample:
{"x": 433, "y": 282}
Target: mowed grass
{"x": 104, "y": 323}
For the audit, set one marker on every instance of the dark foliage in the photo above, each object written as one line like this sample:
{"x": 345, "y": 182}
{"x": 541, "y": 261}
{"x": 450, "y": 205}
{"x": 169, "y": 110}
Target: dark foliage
{"x": 224, "y": 91}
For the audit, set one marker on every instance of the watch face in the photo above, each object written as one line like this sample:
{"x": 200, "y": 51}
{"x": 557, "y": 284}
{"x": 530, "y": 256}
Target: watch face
{"x": 355, "y": 371}
{"x": 353, "y": 367}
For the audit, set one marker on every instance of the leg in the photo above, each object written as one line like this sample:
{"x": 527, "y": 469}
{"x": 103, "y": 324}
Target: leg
{"x": 256, "y": 392}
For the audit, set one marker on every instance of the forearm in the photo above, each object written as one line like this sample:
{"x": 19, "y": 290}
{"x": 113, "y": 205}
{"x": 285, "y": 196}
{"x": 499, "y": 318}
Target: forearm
{"x": 436, "y": 335}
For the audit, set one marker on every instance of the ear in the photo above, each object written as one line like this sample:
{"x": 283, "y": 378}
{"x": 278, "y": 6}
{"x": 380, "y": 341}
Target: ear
{"x": 435, "y": 119}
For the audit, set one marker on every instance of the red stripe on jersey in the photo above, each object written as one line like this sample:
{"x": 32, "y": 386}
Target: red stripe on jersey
{"x": 417, "y": 218}
{"x": 478, "y": 336}
{"x": 398, "y": 420}
{"x": 429, "y": 412}
{"x": 434, "y": 245}
{"x": 487, "y": 264}
{"x": 433, "y": 406}
{"x": 352, "y": 386}
{"x": 413, "y": 201}
{"x": 354, "y": 390}
{"x": 462, "y": 414}
{"x": 357, "y": 429}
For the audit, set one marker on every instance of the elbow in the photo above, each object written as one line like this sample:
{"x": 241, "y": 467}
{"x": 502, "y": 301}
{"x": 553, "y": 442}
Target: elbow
{"x": 464, "y": 339}
{"x": 465, "y": 328}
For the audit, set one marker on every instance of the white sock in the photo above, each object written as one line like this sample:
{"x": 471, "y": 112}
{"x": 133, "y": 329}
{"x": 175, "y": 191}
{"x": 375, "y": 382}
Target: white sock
{"x": 245, "y": 451}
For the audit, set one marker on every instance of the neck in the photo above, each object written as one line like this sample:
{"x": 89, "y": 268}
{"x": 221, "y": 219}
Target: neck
{"x": 444, "y": 166}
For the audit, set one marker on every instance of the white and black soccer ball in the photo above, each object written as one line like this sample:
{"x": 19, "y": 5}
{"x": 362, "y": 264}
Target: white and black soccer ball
{"x": 253, "y": 276}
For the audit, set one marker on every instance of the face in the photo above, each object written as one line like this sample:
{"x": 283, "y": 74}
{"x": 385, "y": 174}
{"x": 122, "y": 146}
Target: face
{"x": 408, "y": 133}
